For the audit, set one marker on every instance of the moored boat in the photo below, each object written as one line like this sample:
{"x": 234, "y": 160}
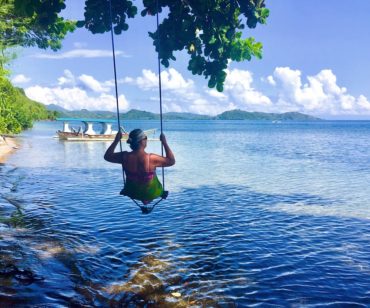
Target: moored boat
{"x": 87, "y": 132}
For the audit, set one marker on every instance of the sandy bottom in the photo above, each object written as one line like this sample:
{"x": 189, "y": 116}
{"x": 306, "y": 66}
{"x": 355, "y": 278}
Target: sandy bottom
{"x": 7, "y": 146}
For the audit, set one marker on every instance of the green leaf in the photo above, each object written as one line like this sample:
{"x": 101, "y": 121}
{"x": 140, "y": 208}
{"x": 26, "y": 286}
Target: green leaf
{"x": 220, "y": 87}
{"x": 212, "y": 82}
{"x": 212, "y": 40}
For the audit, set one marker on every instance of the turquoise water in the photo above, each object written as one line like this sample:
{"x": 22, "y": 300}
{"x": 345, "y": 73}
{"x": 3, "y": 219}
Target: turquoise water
{"x": 259, "y": 213}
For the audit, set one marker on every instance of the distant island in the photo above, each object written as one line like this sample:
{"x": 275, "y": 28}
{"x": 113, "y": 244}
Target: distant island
{"x": 135, "y": 114}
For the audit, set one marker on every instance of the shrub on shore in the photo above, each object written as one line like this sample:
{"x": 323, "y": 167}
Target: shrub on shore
{"x": 17, "y": 111}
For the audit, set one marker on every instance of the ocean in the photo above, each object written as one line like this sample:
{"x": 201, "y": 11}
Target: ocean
{"x": 259, "y": 214}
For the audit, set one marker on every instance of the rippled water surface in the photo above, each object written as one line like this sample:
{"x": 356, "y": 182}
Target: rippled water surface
{"x": 259, "y": 214}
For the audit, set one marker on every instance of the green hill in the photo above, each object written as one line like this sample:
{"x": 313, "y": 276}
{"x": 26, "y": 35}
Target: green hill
{"x": 135, "y": 114}
{"x": 185, "y": 116}
{"x": 84, "y": 113}
{"x": 245, "y": 115}
{"x": 17, "y": 111}
{"x": 132, "y": 114}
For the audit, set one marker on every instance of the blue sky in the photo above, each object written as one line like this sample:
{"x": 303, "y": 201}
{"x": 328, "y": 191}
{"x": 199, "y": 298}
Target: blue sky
{"x": 315, "y": 61}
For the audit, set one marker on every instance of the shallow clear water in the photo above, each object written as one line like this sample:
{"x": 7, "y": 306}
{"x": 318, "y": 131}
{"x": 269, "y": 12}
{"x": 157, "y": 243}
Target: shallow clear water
{"x": 259, "y": 213}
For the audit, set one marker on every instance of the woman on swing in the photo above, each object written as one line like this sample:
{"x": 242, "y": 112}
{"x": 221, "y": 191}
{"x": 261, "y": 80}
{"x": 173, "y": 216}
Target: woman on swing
{"x": 141, "y": 180}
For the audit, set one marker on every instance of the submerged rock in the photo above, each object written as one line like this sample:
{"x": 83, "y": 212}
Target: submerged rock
{"x": 146, "y": 285}
{"x": 25, "y": 276}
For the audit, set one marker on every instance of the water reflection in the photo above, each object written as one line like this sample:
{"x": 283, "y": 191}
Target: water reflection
{"x": 215, "y": 255}
{"x": 260, "y": 225}
{"x": 83, "y": 154}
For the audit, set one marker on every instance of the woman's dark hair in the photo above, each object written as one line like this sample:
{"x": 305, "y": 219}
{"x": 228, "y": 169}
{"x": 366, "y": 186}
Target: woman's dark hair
{"x": 134, "y": 138}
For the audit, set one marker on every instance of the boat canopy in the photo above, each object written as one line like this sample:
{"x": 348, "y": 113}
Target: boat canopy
{"x": 87, "y": 120}
{"x": 88, "y": 123}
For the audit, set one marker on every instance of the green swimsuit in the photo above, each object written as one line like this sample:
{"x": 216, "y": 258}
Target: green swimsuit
{"x": 143, "y": 186}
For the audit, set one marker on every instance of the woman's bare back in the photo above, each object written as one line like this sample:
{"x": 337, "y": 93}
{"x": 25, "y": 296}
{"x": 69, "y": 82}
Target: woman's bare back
{"x": 137, "y": 162}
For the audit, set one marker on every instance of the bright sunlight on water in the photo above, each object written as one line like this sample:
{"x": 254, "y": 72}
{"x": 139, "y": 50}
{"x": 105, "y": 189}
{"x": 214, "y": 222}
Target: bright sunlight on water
{"x": 258, "y": 213}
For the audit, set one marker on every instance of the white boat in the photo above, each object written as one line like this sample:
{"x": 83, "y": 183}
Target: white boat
{"x": 87, "y": 132}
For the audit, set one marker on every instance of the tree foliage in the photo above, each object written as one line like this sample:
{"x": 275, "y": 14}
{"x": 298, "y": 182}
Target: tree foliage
{"x": 26, "y": 23}
{"x": 17, "y": 112}
{"x": 209, "y": 30}
{"x": 33, "y": 23}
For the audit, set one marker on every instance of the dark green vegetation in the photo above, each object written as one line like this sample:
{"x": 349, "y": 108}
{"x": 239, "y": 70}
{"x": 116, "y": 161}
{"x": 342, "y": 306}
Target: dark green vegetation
{"x": 244, "y": 115}
{"x": 210, "y": 30}
{"x": 132, "y": 114}
{"x": 17, "y": 112}
{"x": 145, "y": 115}
{"x": 32, "y": 23}
{"x": 26, "y": 23}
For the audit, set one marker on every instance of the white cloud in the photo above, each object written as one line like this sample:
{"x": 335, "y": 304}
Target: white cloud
{"x": 271, "y": 80}
{"x": 84, "y": 81}
{"x": 20, "y": 79}
{"x": 80, "y": 45}
{"x": 68, "y": 79}
{"x": 148, "y": 81}
{"x": 75, "y": 98}
{"x": 74, "y": 95}
{"x": 363, "y": 103}
{"x": 173, "y": 80}
{"x": 239, "y": 88}
{"x": 172, "y": 107}
{"x": 80, "y": 53}
{"x": 92, "y": 84}
{"x": 288, "y": 90}
{"x": 207, "y": 107}
{"x": 128, "y": 80}
{"x": 170, "y": 80}
{"x": 320, "y": 95}
{"x": 214, "y": 93}
{"x": 180, "y": 94}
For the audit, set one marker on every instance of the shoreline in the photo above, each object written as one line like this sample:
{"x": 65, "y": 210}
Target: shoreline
{"x": 8, "y": 145}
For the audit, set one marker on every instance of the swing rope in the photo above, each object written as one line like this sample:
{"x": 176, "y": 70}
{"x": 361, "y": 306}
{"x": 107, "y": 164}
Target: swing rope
{"x": 160, "y": 86}
{"x": 115, "y": 84}
{"x": 144, "y": 209}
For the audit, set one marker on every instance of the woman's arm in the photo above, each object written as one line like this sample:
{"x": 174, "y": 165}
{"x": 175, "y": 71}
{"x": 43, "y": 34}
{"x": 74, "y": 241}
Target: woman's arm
{"x": 168, "y": 160}
{"x": 116, "y": 158}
